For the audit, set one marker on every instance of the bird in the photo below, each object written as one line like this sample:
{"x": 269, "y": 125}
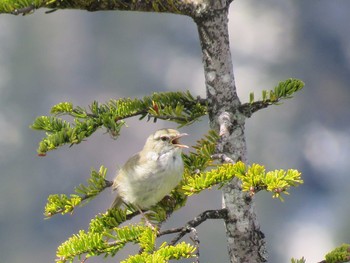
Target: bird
{"x": 151, "y": 174}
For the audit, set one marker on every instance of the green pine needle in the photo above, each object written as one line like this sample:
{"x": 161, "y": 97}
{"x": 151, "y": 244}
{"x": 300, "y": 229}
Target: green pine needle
{"x": 164, "y": 254}
{"x": 254, "y": 178}
{"x": 83, "y": 193}
{"x": 106, "y": 237}
{"x": 339, "y": 255}
{"x": 302, "y": 260}
{"x": 96, "y": 243}
{"x": 179, "y": 107}
{"x": 108, "y": 220}
{"x": 284, "y": 90}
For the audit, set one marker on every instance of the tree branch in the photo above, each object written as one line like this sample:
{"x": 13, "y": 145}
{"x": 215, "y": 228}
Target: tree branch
{"x": 209, "y": 214}
{"x": 83, "y": 198}
{"x": 24, "y": 11}
{"x": 184, "y": 7}
{"x": 196, "y": 242}
{"x": 245, "y": 241}
{"x": 223, "y": 157}
{"x": 169, "y": 117}
{"x": 247, "y": 109}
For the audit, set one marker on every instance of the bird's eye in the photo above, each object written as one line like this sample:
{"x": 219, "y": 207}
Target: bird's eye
{"x": 164, "y": 138}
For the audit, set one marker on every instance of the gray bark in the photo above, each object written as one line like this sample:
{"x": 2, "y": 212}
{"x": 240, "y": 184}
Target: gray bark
{"x": 245, "y": 240}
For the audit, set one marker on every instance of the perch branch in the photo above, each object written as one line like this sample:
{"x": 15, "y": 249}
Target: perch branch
{"x": 182, "y": 231}
{"x": 196, "y": 242}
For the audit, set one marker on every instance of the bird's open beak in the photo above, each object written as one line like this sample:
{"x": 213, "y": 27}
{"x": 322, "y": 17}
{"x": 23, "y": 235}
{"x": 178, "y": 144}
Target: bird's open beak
{"x": 176, "y": 142}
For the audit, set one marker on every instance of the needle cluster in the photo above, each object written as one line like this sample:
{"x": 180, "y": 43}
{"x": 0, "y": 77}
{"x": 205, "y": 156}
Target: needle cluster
{"x": 205, "y": 168}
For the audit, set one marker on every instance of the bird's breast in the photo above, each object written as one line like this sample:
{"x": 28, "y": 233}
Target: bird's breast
{"x": 156, "y": 180}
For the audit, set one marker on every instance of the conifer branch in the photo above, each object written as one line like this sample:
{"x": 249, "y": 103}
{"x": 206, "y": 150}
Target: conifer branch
{"x": 254, "y": 178}
{"x": 96, "y": 243}
{"x": 195, "y": 161}
{"x": 109, "y": 242}
{"x": 179, "y": 107}
{"x": 222, "y": 157}
{"x": 187, "y": 7}
{"x": 164, "y": 254}
{"x": 284, "y": 90}
{"x": 83, "y": 194}
{"x": 302, "y": 260}
{"x": 24, "y": 10}
{"x": 195, "y": 239}
{"x": 112, "y": 218}
{"x": 338, "y": 255}
{"x": 105, "y": 236}
{"x": 182, "y": 231}
{"x": 196, "y": 179}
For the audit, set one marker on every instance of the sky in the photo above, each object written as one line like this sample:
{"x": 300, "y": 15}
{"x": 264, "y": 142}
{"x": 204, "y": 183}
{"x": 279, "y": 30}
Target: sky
{"x": 80, "y": 57}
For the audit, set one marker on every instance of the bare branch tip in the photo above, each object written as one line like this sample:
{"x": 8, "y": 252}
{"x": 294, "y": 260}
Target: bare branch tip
{"x": 223, "y": 157}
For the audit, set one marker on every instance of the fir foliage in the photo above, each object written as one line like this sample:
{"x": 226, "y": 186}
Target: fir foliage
{"x": 8, "y": 6}
{"x": 108, "y": 220}
{"x": 110, "y": 241}
{"x": 23, "y": 6}
{"x": 179, "y": 107}
{"x": 339, "y": 255}
{"x": 61, "y": 203}
{"x": 200, "y": 159}
{"x": 254, "y": 178}
{"x": 97, "y": 243}
{"x": 195, "y": 162}
{"x": 302, "y": 260}
{"x": 104, "y": 235}
{"x": 284, "y": 90}
{"x": 164, "y": 254}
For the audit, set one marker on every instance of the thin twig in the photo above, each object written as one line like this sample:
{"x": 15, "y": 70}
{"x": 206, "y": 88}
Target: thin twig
{"x": 202, "y": 101}
{"x": 171, "y": 231}
{"x": 247, "y": 109}
{"x": 182, "y": 231}
{"x": 84, "y": 197}
{"x": 169, "y": 117}
{"x": 149, "y": 116}
{"x": 196, "y": 242}
{"x": 223, "y": 157}
{"x": 25, "y": 10}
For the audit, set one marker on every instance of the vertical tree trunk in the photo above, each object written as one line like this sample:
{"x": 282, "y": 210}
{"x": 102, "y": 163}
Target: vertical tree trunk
{"x": 245, "y": 240}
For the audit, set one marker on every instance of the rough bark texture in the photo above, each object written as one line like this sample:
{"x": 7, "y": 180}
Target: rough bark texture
{"x": 183, "y": 7}
{"x": 245, "y": 240}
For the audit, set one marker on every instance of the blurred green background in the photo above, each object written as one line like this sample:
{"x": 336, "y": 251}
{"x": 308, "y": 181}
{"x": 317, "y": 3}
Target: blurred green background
{"x": 80, "y": 57}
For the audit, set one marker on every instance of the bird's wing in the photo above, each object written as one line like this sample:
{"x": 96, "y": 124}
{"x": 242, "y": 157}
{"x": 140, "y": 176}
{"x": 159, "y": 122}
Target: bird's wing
{"x": 118, "y": 201}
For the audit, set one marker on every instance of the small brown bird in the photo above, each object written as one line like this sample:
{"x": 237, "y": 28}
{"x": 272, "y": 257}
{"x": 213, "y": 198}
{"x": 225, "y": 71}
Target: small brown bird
{"x": 152, "y": 173}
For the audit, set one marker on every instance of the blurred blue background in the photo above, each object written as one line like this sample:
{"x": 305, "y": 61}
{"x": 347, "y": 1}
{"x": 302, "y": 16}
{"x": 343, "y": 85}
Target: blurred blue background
{"x": 80, "y": 57}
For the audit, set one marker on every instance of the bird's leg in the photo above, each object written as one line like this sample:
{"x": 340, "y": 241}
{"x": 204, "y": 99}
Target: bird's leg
{"x": 169, "y": 202}
{"x": 147, "y": 222}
